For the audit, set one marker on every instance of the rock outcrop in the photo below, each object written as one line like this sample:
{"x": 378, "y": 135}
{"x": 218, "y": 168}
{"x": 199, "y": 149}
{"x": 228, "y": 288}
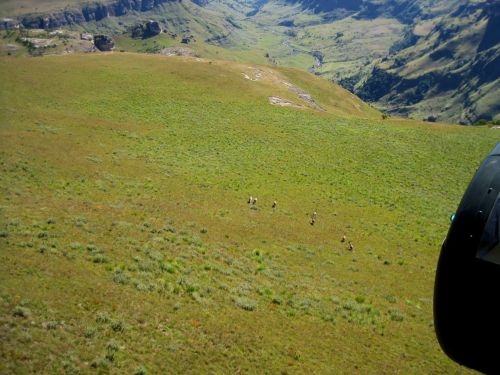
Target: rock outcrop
{"x": 178, "y": 51}
{"x": 104, "y": 43}
{"x": 90, "y": 12}
{"x": 152, "y": 29}
{"x": 8, "y": 23}
{"x": 148, "y": 30}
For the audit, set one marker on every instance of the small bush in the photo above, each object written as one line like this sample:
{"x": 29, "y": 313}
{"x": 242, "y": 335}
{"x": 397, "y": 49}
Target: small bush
{"x": 245, "y": 303}
{"x": 22, "y": 312}
{"x": 75, "y": 246}
{"x": 100, "y": 258}
{"x": 140, "y": 371}
{"x": 92, "y": 248}
{"x": 360, "y": 299}
{"x": 112, "y": 346}
{"x": 90, "y": 331}
{"x": 121, "y": 278}
{"x": 390, "y": 298}
{"x": 396, "y": 315}
{"x": 53, "y": 324}
{"x": 167, "y": 267}
{"x": 80, "y": 221}
{"x": 170, "y": 229}
{"x": 101, "y": 363}
{"x": 328, "y": 318}
{"x": 146, "y": 266}
{"x": 117, "y": 326}
{"x": 102, "y": 317}
{"x": 349, "y": 306}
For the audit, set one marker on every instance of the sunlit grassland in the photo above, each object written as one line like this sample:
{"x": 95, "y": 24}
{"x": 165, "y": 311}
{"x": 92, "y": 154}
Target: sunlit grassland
{"x": 127, "y": 243}
{"x": 17, "y": 7}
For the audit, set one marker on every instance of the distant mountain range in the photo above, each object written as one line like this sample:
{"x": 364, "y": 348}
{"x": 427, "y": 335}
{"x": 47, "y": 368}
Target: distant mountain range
{"x": 437, "y": 60}
{"x": 445, "y": 66}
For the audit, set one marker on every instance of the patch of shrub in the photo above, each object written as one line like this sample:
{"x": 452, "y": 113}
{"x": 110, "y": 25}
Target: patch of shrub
{"x": 170, "y": 229}
{"x": 101, "y": 363}
{"x": 390, "y": 298}
{"x": 22, "y": 312}
{"x": 167, "y": 267}
{"x": 90, "y": 331}
{"x": 51, "y": 325}
{"x": 117, "y": 326}
{"x": 396, "y": 315}
{"x": 121, "y": 278}
{"x": 102, "y": 317}
{"x": 75, "y": 246}
{"x": 360, "y": 299}
{"x": 80, "y": 221}
{"x": 112, "y": 348}
{"x": 100, "y": 258}
{"x": 277, "y": 300}
{"x": 245, "y": 303}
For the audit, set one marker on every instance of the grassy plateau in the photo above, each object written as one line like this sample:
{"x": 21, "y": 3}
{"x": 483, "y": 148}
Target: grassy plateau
{"x": 127, "y": 245}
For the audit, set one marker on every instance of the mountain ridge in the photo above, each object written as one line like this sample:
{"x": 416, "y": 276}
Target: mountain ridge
{"x": 428, "y": 59}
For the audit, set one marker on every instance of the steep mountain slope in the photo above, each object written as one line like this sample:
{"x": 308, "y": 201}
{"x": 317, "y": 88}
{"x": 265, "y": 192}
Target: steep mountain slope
{"x": 400, "y": 54}
{"x": 427, "y": 59}
{"x": 127, "y": 244}
{"x": 441, "y": 63}
{"x": 450, "y": 71}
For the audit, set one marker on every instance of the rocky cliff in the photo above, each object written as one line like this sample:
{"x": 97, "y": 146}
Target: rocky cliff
{"x": 89, "y": 12}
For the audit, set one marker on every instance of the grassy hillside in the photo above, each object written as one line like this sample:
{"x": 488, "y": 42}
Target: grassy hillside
{"x": 9, "y": 8}
{"x": 425, "y": 59}
{"x": 127, "y": 244}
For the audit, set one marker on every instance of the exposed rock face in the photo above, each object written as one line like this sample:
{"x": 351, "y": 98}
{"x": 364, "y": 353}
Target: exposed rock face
{"x": 186, "y": 39}
{"x": 86, "y": 36}
{"x": 152, "y": 28}
{"x": 178, "y": 51}
{"x": 104, "y": 43}
{"x": 148, "y": 30}
{"x": 36, "y": 43}
{"x": 137, "y": 31}
{"x": 8, "y": 23}
{"x": 90, "y": 12}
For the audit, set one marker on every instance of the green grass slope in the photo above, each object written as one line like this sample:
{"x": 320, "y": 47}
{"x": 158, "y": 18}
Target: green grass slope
{"x": 127, "y": 245}
{"x": 9, "y": 8}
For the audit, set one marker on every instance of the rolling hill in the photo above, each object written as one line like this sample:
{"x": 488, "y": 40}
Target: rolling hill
{"x": 127, "y": 244}
{"x": 430, "y": 60}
